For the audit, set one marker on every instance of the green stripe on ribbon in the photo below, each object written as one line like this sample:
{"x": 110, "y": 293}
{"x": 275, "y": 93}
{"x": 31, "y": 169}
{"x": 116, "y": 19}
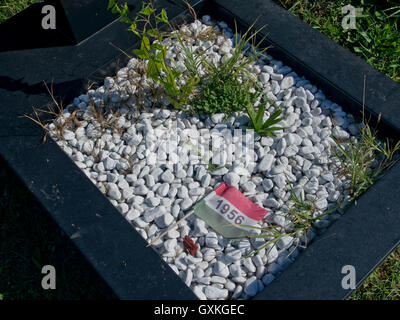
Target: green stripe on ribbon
{"x": 217, "y": 222}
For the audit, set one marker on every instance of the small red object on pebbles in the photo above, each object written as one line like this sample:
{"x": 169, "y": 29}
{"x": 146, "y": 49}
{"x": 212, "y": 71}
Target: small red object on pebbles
{"x": 190, "y": 245}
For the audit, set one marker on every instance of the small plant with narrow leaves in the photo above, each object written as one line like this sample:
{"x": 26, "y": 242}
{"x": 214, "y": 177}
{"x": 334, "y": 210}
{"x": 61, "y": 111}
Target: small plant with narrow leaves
{"x": 247, "y": 51}
{"x": 365, "y": 160}
{"x": 262, "y": 127}
{"x": 192, "y": 60}
{"x": 303, "y": 217}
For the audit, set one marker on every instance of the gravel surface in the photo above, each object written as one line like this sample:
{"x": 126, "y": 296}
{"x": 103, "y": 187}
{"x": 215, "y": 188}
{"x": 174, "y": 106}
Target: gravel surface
{"x": 144, "y": 161}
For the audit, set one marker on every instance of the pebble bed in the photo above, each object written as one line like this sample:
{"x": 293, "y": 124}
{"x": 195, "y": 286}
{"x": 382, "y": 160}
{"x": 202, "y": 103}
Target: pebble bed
{"x": 121, "y": 154}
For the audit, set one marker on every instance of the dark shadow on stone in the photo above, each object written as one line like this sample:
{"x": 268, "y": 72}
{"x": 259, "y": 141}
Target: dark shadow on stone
{"x": 67, "y": 89}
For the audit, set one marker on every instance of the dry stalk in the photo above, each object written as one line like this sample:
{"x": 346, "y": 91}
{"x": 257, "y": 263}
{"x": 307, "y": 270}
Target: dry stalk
{"x": 54, "y": 113}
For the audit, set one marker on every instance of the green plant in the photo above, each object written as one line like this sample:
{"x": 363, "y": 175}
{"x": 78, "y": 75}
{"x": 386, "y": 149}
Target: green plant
{"x": 376, "y": 37}
{"x": 152, "y": 49}
{"x": 302, "y": 216}
{"x": 223, "y": 93}
{"x": 9, "y": 8}
{"x": 228, "y": 85}
{"x": 377, "y": 40}
{"x": 246, "y": 52}
{"x": 365, "y": 160}
{"x": 257, "y": 119}
{"x": 192, "y": 60}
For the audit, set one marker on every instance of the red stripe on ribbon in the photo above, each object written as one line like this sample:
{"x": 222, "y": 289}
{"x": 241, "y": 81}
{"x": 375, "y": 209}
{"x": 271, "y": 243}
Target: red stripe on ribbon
{"x": 238, "y": 199}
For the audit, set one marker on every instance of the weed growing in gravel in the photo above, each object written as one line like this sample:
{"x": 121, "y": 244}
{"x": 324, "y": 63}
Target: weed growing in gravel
{"x": 54, "y": 111}
{"x": 302, "y": 219}
{"x": 192, "y": 60}
{"x": 264, "y": 127}
{"x": 365, "y": 160}
{"x": 152, "y": 50}
{"x": 106, "y": 119}
{"x": 224, "y": 93}
{"x": 229, "y": 86}
{"x": 246, "y": 52}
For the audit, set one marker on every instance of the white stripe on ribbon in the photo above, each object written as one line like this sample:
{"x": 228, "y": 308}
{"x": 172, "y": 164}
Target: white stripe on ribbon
{"x": 228, "y": 211}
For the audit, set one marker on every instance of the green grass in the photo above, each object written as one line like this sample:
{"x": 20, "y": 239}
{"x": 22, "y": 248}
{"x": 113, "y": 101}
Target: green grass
{"x": 376, "y": 38}
{"x": 9, "y": 8}
{"x": 377, "y": 41}
{"x": 383, "y": 283}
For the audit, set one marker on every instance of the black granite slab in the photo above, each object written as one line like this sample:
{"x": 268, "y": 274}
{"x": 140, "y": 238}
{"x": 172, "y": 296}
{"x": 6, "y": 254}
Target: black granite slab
{"x": 364, "y": 236}
{"x": 86, "y": 17}
{"x": 24, "y": 30}
{"x": 75, "y": 21}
